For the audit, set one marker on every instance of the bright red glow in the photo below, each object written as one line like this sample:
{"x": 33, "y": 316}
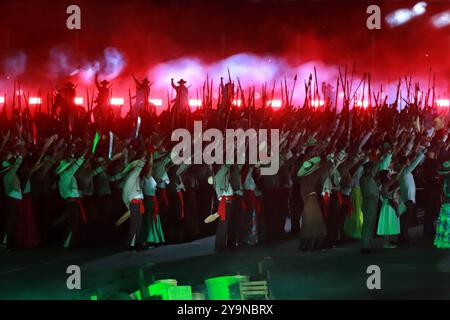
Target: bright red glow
{"x": 79, "y": 101}
{"x": 117, "y": 101}
{"x": 195, "y": 103}
{"x": 275, "y": 103}
{"x": 156, "y": 102}
{"x": 237, "y": 102}
{"x": 443, "y": 103}
{"x": 35, "y": 100}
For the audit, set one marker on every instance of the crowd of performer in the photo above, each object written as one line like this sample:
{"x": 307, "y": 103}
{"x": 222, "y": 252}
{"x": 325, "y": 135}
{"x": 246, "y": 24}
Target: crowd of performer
{"x": 76, "y": 176}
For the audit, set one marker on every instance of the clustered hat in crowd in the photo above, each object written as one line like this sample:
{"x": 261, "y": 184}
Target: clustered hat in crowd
{"x": 5, "y": 166}
{"x": 309, "y": 166}
{"x": 445, "y": 168}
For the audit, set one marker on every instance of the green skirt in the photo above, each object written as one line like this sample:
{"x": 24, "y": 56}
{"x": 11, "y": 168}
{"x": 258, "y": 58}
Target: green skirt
{"x": 353, "y": 223}
{"x": 442, "y": 239}
{"x": 153, "y": 232}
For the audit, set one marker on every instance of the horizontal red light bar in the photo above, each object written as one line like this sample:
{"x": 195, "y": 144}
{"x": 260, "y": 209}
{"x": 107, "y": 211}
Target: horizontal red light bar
{"x": 275, "y": 103}
{"x": 35, "y": 100}
{"x": 79, "y": 100}
{"x": 237, "y": 102}
{"x": 117, "y": 101}
{"x": 156, "y": 102}
{"x": 195, "y": 103}
{"x": 443, "y": 102}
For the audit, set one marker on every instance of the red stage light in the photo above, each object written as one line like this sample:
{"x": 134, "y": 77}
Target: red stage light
{"x": 156, "y": 102}
{"x": 317, "y": 103}
{"x": 364, "y": 104}
{"x": 117, "y": 101}
{"x": 35, "y": 100}
{"x": 195, "y": 103}
{"x": 2, "y": 100}
{"x": 443, "y": 102}
{"x": 275, "y": 103}
{"x": 79, "y": 101}
{"x": 237, "y": 102}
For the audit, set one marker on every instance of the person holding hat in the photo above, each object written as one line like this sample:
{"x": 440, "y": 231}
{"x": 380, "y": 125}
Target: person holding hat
{"x": 141, "y": 97}
{"x": 313, "y": 228}
{"x": 101, "y": 111}
{"x": 153, "y": 234}
{"x": 442, "y": 237}
{"x": 133, "y": 198}
{"x": 224, "y": 193}
{"x": 181, "y": 102}
{"x": 408, "y": 191}
{"x": 161, "y": 161}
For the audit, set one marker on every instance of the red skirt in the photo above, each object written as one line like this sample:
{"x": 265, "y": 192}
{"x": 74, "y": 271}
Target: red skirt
{"x": 27, "y": 235}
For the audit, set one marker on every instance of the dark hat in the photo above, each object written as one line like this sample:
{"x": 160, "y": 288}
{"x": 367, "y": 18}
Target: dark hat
{"x": 145, "y": 81}
{"x": 104, "y": 83}
{"x": 181, "y": 81}
{"x": 69, "y": 84}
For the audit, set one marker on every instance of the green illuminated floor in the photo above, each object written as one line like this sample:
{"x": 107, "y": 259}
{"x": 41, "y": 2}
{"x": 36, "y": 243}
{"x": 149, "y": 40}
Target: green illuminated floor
{"x": 414, "y": 271}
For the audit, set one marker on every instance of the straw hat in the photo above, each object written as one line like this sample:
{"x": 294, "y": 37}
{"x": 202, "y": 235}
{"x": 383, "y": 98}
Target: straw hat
{"x": 6, "y": 165}
{"x": 309, "y": 166}
{"x": 445, "y": 168}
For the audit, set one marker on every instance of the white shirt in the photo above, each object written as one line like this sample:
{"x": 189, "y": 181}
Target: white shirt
{"x": 407, "y": 183}
{"x": 149, "y": 186}
{"x": 222, "y": 184}
{"x": 132, "y": 186}
{"x": 67, "y": 184}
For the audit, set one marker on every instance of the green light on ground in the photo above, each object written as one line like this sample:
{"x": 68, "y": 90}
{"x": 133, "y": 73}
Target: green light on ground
{"x": 137, "y": 295}
{"x": 218, "y": 288}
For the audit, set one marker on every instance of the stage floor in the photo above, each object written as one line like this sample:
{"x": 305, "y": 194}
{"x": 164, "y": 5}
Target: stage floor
{"x": 413, "y": 271}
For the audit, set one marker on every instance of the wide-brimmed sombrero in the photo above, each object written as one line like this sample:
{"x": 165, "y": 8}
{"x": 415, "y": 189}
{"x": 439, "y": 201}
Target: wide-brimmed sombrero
{"x": 308, "y": 167}
{"x": 181, "y": 81}
{"x": 6, "y": 165}
{"x": 445, "y": 168}
{"x": 311, "y": 142}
